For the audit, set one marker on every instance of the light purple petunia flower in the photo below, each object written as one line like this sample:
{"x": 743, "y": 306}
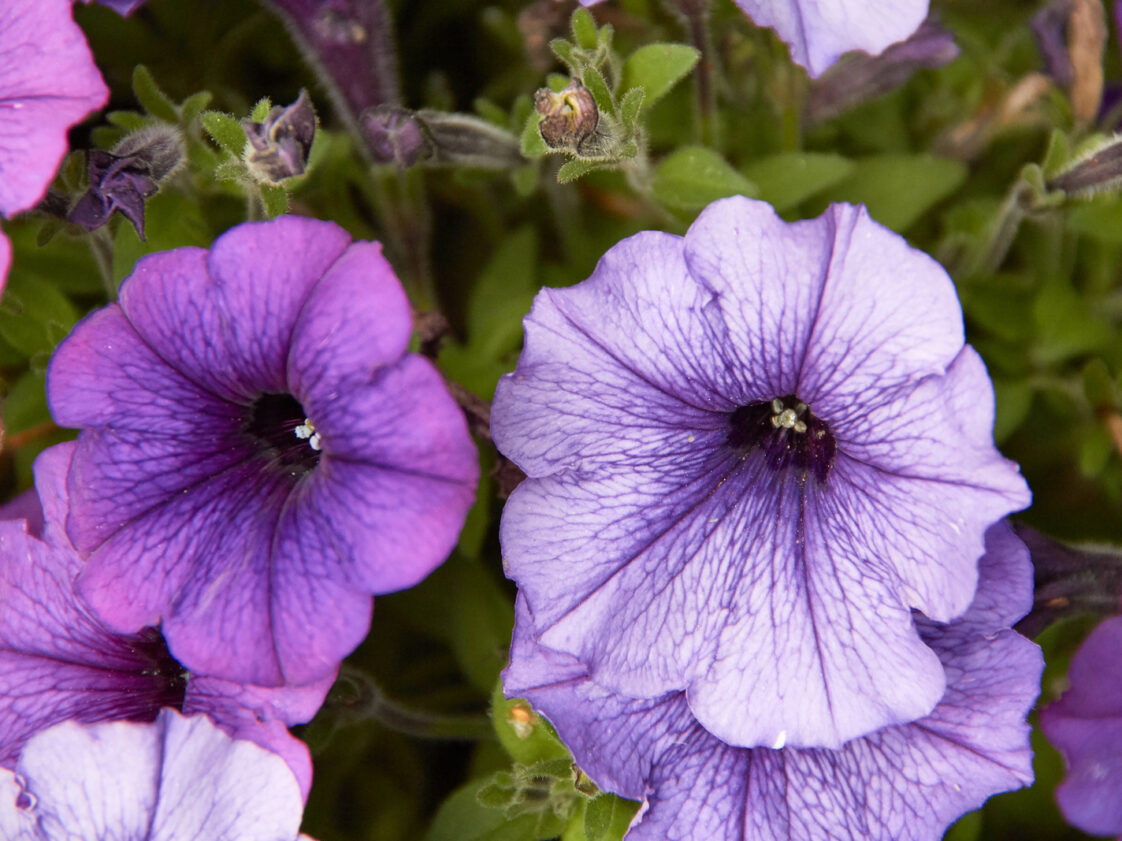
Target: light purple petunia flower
{"x": 48, "y": 82}
{"x": 901, "y": 783}
{"x": 170, "y": 780}
{"x": 1086, "y": 726}
{"x": 259, "y": 453}
{"x": 58, "y": 662}
{"x": 751, "y": 452}
{"x": 820, "y": 31}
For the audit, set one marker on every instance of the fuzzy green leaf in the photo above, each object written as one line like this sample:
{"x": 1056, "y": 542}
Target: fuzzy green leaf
{"x": 261, "y": 109}
{"x": 564, "y": 51}
{"x": 533, "y": 145}
{"x": 657, "y": 68}
{"x": 149, "y": 95}
{"x": 630, "y": 106}
{"x": 584, "y": 29}
{"x": 694, "y": 176}
{"x": 574, "y": 169}
{"x": 194, "y": 105}
{"x": 225, "y": 130}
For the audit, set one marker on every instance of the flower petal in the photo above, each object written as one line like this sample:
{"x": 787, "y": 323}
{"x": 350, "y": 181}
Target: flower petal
{"x": 48, "y": 82}
{"x": 819, "y": 31}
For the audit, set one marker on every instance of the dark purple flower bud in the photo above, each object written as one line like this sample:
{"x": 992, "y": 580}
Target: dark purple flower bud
{"x": 569, "y": 116}
{"x": 1049, "y": 26}
{"x": 351, "y": 43}
{"x": 127, "y": 177}
{"x": 860, "y": 76}
{"x": 438, "y": 138}
{"x": 1100, "y": 169}
{"x": 278, "y": 148}
{"x": 395, "y": 135}
{"x": 1070, "y": 580}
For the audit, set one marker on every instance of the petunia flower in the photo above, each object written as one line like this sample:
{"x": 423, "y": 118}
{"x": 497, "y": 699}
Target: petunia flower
{"x": 1086, "y": 726}
{"x": 752, "y": 451}
{"x": 259, "y": 454}
{"x": 900, "y": 783}
{"x": 820, "y": 31}
{"x": 174, "y": 778}
{"x": 121, "y": 7}
{"x": 58, "y": 662}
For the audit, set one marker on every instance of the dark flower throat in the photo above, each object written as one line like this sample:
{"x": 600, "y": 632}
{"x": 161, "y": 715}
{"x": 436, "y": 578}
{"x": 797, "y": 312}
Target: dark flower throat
{"x": 788, "y": 433}
{"x": 272, "y": 423}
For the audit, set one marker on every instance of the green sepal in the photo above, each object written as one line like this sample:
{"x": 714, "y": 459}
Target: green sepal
{"x": 149, "y": 95}
{"x": 657, "y": 68}
{"x": 274, "y": 197}
{"x": 564, "y": 52}
{"x": 261, "y": 110}
{"x": 606, "y": 817}
{"x": 194, "y": 105}
{"x": 533, "y": 145}
{"x": 225, "y": 130}
{"x": 629, "y": 107}
{"x": 584, "y": 29}
{"x": 128, "y": 120}
{"x": 594, "y": 81}
{"x": 574, "y": 169}
{"x": 527, "y": 737}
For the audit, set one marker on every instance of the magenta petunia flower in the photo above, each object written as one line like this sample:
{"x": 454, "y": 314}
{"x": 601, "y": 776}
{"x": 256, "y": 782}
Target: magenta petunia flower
{"x": 171, "y": 779}
{"x": 58, "y": 662}
{"x": 259, "y": 453}
{"x": 48, "y": 82}
{"x": 820, "y": 31}
{"x": 902, "y": 783}
{"x": 1086, "y": 726}
{"x": 752, "y": 451}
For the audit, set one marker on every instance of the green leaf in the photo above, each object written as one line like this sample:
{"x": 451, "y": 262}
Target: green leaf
{"x": 584, "y": 29}
{"x": 25, "y": 404}
{"x": 171, "y": 220}
{"x": 1095, "y": 450}
{"x": 463, "y": 818}
{"x": 657, "y": 68}
{"x": 564, "y": 52}
{"x": 533, "y": 146}
{"x": 1098, "y": 385}
{"x": 482, "y": 619}
{"x": 275, "y": 199}
{"x": 574, "y": 169}
{"x": 194, "y": 105}
{"x": 630, "y": 106}
{"x": 490, "y": 112}
{"x": 898, "y": 189}
{"x": 1057, "y": 154}
{"x": 1013, "y": 400}
{"x": 694, "y": 176}
{"x": 502, "y": 295}
{"x": 606, "y": 817}
{"x": 596, "y": 85}
{"x": 527, "y": 737}
{"x": 1100, "y": 218}
{"x": 787, "y": 179}
{"x": 1067, "y": 325}
{"x": 149, "y": 95}
{"x": 225, "y": 130}
{"x": 34, "y": 313}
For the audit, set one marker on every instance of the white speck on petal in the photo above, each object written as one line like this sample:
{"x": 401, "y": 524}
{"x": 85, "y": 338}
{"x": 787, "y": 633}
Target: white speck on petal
{"x": 780, "y": 740}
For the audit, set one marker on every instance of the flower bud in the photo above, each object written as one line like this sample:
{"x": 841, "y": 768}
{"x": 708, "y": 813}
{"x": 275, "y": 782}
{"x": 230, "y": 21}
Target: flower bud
{"x": 1098, "y": 170}
{"x": 278, "y": 148}
{"x": 569, "y": 116}
{"x": 125, "y": 178}
{"x": 395, "y": 136}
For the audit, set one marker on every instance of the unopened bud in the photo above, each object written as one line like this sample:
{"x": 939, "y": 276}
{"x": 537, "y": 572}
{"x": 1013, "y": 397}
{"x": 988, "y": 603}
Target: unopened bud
{"x": 569, "y": 116}
{"x": 1100, "y": 169}
{"x": 125, "y": 178}
{"x": 395, "y": 136}
{"x": 278, "y": 148}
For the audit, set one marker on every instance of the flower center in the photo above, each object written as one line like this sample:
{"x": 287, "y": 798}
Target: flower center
{"x": 788, "y": 433}
{"x": 278, "y": 424}
{"x": 169, "y": 679}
